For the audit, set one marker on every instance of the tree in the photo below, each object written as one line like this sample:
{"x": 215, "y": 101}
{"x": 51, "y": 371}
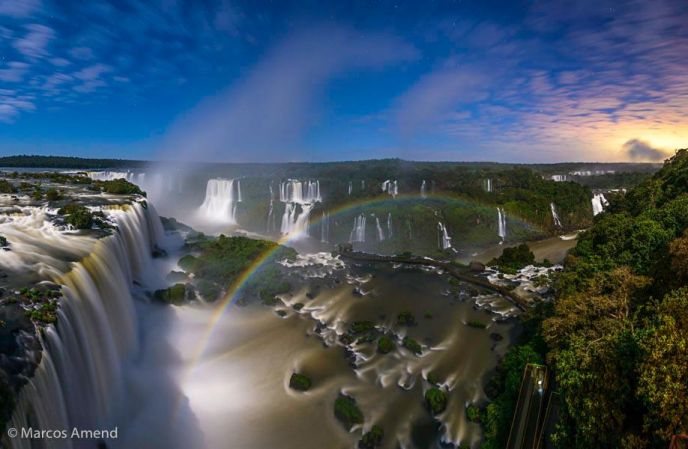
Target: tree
{"x": 663, "y": 383}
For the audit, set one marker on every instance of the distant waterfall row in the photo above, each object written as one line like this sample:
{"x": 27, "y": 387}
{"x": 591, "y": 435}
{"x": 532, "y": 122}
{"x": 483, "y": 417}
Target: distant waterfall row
{"x": 351, "y": 187}
{"x": 220, "y": 203}
{"x": 391, "y": 187}
{"x": 80, "y": 381}
{"x": 154, "y": 183}
{"x": 295, "y": 191}
{"x": 358, "y": 232}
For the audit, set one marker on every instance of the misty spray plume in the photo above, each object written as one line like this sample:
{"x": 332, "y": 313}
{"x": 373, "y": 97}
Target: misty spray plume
{"x": 267, "y": 112}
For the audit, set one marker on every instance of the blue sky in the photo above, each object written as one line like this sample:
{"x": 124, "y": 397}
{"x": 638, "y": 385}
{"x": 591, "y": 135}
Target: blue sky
{"x": 225, "y": 80}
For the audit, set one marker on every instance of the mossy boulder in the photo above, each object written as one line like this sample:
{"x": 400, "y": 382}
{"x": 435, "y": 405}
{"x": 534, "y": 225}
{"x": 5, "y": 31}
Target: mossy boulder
{"x": 347, "y": 412}
{"x": 385, "y": 344}
{"x": 436, "y": 400}
{"x": 412, "y": 345}
{"x": 187, "y": 263}
{"x": 3, "y": 241}
{"x": 173, "y": 295}
{"x": 300, "y": 382}
{"x": 372, "y": 439}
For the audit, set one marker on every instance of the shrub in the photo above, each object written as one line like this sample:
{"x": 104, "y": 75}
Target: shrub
{"x": 78, "y": 216}
{"x": 6, "y": 186}
{"x": 53, "y": 194}
{"x": 361, "y": 327}
{"x": 436, "y": 400}
{"x": 406, "y": 318}
{"x": 473, "y": 413}
{"x": 476, "y": 324}
{"x": 372, "y": 439}
{"x": 385, "y": 345}
{"x": 514, "y": 258}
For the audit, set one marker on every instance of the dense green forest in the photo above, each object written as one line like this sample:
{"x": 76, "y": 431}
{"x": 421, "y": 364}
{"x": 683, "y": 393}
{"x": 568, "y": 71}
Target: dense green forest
{"x": 33, "y": 161}
{"x": 615, "y": 337}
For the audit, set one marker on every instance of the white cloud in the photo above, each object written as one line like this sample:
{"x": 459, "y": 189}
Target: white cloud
{"x": 35, "y": 41}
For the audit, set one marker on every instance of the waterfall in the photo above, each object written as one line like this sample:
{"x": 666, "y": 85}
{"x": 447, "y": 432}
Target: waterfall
{"x": 288, "y": 218}
{"x": 501, "y": 218}
{"x": 380, "y": 233}
{"x": 325, "y": 228}
{"x": 219, "y": 205}
{"x": 294, "y": 194}
{"x": 389, "y": 225}
{"x": 79, "y": 381}
{"x": 555, "y": 216}
{"x": 559, "y": 178}
{"x": 423, "y": 194}
{"x": 238, "y": 191}
{"x": 487, "y": 185}
{"x": 358, "y": 231}
{"x": 362, "y": 184}
{"x": 390, "y": 187}
{"x": 443, "y": 239}
{"x": 599, "y": 202}
{"x": 351, "y": 187}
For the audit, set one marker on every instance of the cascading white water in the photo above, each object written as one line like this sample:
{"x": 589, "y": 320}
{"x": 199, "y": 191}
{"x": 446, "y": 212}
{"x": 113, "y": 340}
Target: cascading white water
{"x": 80, "y": 380}
{"x": 391, "y": 187}
{"x": 423, "y": 193}
{"x": 301, "y": 192}
{"x": 219, "y": 205}
{"x": 358, "y": 231}
{"x": 599, "y": 202}
{"x": 501, "y": 218}
{"x": 380, "y": 232}
{"x": 389, "y": 225}
{"x": 487, "y": 185}
{"x": 351, "y": 187}
{"x": 555, "y": 215}
{"x": 294, "y": 194}
{"x": 443, "y": 240}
